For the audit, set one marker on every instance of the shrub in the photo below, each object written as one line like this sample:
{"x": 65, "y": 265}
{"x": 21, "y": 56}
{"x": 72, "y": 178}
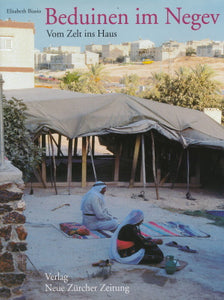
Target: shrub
{"x": 19, "y": 146}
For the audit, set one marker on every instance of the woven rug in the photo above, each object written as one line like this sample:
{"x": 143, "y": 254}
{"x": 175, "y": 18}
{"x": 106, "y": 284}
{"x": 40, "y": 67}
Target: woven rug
{"x": 70, "y": 227}
{"x": 149, "y": 229}
{"x": 216, "y": 213}
{"x": 170, "y": 229}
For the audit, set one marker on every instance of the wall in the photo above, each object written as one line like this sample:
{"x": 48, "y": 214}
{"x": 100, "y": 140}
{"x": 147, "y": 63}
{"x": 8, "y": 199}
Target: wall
{"x": 17, "y": 54}
{"x": 12, "y": 233}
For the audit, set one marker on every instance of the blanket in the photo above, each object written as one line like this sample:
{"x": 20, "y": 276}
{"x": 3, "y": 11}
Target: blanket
{"x": 170, "y": 229}
{"x": 148, "y": 229}
{"x": 216, "y": 213}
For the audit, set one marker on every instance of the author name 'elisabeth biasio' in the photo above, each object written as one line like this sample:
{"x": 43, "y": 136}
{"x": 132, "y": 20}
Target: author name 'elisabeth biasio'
{"x": 23, "y": 11}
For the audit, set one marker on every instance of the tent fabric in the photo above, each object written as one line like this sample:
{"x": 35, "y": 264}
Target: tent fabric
{"x": 76, "y": 115}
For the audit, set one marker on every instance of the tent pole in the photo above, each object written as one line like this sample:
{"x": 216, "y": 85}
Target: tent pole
{"x": 143, "y": 162}
{"x": 84, "y": 161}
{"x": 54, "y": 163}
{"x": 188, "y": 172}
{"x": 93, "y": 145}
{"x": 75, "y": 146}
{"x": 143, "y": 172}
{"x": 135, "y": 160}
{"x": 154, "y": 165}
{"x": 92, "y": 160}
{"x": 117, "y": 163}
{"x": 178, "y": 168}
{"x": 59, "y": 145}
{"x": 43, "y": 162}
{"x": 69, "y": 170}
{"x": 49, "y": 154}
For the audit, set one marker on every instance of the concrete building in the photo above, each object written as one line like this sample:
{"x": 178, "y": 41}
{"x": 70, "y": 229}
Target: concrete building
{"x": 69, "y": 49}
{"x": 17, "y": 54}
{"x": 62, "y": 49}
{"x": 214, "y": 49}
{"x": 112, "y": 52}
{"x": 94, "y": 48}
{"x": 194, "y": 44}
{"x": 91, "y": 58}
{"x": 168, "y": 50}
{"x": 42, "y": 60}
{"x": 67, "y": 61}
{"x": 140, "y": 49}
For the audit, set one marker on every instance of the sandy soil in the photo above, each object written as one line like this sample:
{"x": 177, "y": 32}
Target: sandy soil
{"x": 114, "y": 72}
{"x": 51, "y": 252}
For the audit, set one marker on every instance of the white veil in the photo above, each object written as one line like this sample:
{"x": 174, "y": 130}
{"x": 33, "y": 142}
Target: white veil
{"x": 134, "y": 217}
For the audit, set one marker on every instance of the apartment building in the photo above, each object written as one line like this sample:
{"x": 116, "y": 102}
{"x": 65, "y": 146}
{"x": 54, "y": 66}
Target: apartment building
{"x": 17, "y": 54}
{"x": 140, "y": 49}
{"x": 94, "y": 48}
{"x": 42, "y": 60}
{"x": 194, "y": 44}
{"x": 62, "y": 49}
{"x": 67, "y": 61}
{"x": 168, "y": 50}
{"x": 112, "y": 52}
{"x": 214, "y": 49}
{"x": 91, "y": 58}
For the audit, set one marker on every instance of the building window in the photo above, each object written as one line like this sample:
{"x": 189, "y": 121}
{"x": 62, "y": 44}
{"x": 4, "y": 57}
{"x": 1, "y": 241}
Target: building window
{"x": 5, "y": 43}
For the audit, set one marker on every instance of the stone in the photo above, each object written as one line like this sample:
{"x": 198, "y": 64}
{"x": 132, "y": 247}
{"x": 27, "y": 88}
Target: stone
{"x": 5, "y": 232}
{"x": 17, "y": 291}
{"x": 10, "y": 280}
{"x": 21, "y": 262}
{"x": 21, "y": 205}
{"x": 5, "y": 186}
{"x": 10, "y": 174}
{"x": 14, "y": 218}
{"x": 6, "y": 262}
{"x": 16, "y": 247}
{"x": 15, "y": 188}
{"x": 21, "y": 232}
{"x": 7, "y": 196}
{"x": 5, "y": 208}
{"x": 21, "y": 186}
{"x": 1, "y": 247}
{"x": 5, "y": 293}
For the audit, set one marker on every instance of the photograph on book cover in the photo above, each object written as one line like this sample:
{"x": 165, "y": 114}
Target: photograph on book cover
{"x": 111, "y": 146}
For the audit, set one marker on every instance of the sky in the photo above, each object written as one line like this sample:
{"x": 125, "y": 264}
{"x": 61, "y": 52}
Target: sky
{"x": 178, "y": 20}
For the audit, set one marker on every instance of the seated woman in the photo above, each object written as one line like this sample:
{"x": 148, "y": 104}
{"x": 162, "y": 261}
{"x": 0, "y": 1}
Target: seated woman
{"x": 130, "y": 247}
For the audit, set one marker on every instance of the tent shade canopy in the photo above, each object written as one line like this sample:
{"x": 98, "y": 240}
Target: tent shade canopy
{"x": 77, "y": 115}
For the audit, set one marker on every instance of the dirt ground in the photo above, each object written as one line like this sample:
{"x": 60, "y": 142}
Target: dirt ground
{"x": 51, "y": 253}
{"x": 114, "y": 72}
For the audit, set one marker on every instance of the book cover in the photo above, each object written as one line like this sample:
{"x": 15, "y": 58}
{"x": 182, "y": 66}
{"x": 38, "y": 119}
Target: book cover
{"x": 131, "y": 38}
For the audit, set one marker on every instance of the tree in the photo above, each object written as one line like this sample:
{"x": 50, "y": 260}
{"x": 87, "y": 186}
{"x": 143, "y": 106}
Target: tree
{"x": 92, "y": 81}
{"x": 192, "y": 88}
{"x": 190, "y": 51}
{"x": 131, "y": 83}
{"x": 19, "y": 146}
{"x": 71, "y": 81}
{"x": 89, "y": 82}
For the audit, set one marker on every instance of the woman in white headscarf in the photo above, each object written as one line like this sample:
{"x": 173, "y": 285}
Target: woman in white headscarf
{"x": 94, "y": 212}
{"x": 128, "y": 246}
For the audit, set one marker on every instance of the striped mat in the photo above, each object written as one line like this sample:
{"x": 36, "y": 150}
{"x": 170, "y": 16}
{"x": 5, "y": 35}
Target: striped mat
{"x": 148, "y": 229}
{"x": 216, "y": 213}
